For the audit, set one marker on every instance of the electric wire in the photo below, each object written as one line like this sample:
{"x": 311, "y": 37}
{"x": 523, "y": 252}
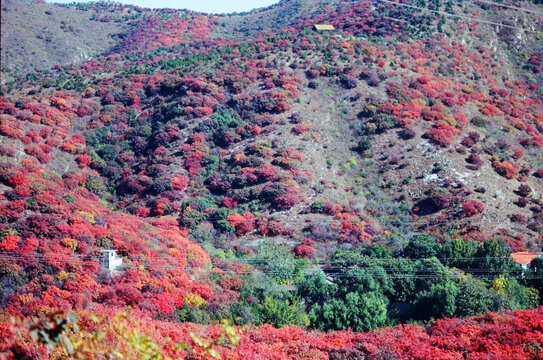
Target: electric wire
{"x": 459, "y": 16}
{"x": 334, "y": 272}
{"x": 510, "y": 7}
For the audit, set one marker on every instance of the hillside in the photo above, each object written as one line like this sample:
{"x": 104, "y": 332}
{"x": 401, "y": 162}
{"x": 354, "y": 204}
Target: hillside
{"x": 247, "y": 167}
{"x": 38, "y": 36}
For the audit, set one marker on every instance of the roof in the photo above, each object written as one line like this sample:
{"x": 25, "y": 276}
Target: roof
{"x": 523, "y": 257}
{"x": 324, "y": 27}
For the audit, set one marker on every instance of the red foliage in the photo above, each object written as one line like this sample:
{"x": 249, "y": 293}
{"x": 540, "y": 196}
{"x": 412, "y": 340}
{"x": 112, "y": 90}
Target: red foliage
{"x": 510, "y": 335}
{"x": 304, "y": 251}
{"x": 518, "y": 218}
{"x": 9, "y": 242}
{"x": 472, "y": 207}
{"x": 83, "y": 160}
{"x": 180, "y": 182}
{"x": 442, "y": 201}
{"x": 475, "y": 160}
{"x": 11, "y": 127}
{"x": 17, "y": 180}
{"x": 524, "y": 190}
{"x": 143, "y": 211}
{"x": 442, "y": 134}
{"x": 287, "y": 200}
{"x": 506, "y": 169}
{"x": 242, "y": 224}
{"x": 8, "y": 150}
{"x": 300, "y": 129}
{"x": 229, "y": 202}
{"x": 518, "y": 154}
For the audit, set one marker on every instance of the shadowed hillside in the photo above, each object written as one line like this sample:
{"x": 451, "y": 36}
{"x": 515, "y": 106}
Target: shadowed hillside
{"x": 38, "y": 36}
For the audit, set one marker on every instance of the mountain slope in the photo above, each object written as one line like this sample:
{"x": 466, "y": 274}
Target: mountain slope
{"x": 38, "y": 36}
{"x": 251, "y": 168}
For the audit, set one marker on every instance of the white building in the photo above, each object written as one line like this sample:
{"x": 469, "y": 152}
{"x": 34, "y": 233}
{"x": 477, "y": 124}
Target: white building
{"x": 111, "y": 261}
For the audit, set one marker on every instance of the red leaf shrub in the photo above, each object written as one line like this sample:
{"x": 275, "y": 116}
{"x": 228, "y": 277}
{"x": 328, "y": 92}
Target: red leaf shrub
{"x": 242, "y": 224}
{"x": 180, "y": 182}
{"x": 518, "y": 154}
{"x": 524, "y": 190}
{"x": 522, "y": 202}
{"x": 9, "y": 242}
{"x": 442, "y": 134}
{"x": 229, "y": 202}
{"x": 475, "y": 160}
{"x": 442, "y": 201}
{"x": 506, "y": 169}
{"x": 472, "y": 207}
{"x": 304, "y": 251}
{"x": 519, "y": 218}
{"x": 299, "y": 129}
{"x": 143, "y": 211}
{"x": 83, "y": 160}
{"x": 9, "y": 150}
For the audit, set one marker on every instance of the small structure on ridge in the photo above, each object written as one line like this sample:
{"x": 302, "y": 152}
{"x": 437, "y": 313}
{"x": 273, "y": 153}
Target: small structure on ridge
{"x": 323, "y": 27}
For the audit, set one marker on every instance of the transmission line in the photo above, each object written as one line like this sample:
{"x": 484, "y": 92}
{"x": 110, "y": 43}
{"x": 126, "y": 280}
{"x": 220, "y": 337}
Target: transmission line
{"x": 509, "y": 7}
{"x": 336, "y": 272}
{"x": 458, "y": 16}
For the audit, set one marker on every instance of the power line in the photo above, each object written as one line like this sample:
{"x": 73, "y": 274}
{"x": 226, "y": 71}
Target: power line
{"x": 510, "y": 7}
{"x": 336, "y": 272}
{"x": 459, "y": 16}
{"x": 251, "y": 259}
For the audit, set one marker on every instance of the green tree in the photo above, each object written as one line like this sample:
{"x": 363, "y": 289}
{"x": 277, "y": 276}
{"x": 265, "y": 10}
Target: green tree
{"x": 459, "y": 253}
{"x": 422, "y": 246}
{"x": 512, "y": 295}
{"x": 439, "y": 301}
{"x": 496, "y": 254}
{"x": 279, "y": 312}
{"x": 533, "y": 276}
{"x": 404, "y": 284}
{"x": 474, "y": 298}
{"x": 330, "y": 315}
{"x": 356, "y": 299}
{"x": 314, "y": 288}
{"x": 366, "y": 311}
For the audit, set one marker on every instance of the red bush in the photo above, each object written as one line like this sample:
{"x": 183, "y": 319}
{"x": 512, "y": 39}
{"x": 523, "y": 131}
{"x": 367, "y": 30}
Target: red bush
{"x": 441, "y": 134}
{"x": 242, "y": 224}
{"x": 518, "y": 153}
{"x": 519, "y": 218}
{"x": 229, "y": 202}
{"x": 475, "y": 160}
{"x": 506, "y": 169}
{"x": 83, "y": 160}
{"x": 304, "y": 251}
{"x": 472, "y": 207}
{"x": 180, "y": 182}
{"x": 11, "y": 127}
{"x": 299, "y": 129}
{"x": 9, "y": 243}
{"x": 8, "y": 150}
{"x": 524, "y": 190}
{"x": 143, "y": 211}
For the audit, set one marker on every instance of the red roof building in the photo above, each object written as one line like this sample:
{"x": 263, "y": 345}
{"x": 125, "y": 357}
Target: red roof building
{"x": 524, "y": 258}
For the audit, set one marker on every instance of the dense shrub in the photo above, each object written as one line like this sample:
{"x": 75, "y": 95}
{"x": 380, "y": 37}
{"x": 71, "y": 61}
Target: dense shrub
{"x": 442, "y": 134}
{"x": 472, "y": 207}
{"x": 475, "y": 160}
{"x": 506, "y": 169}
